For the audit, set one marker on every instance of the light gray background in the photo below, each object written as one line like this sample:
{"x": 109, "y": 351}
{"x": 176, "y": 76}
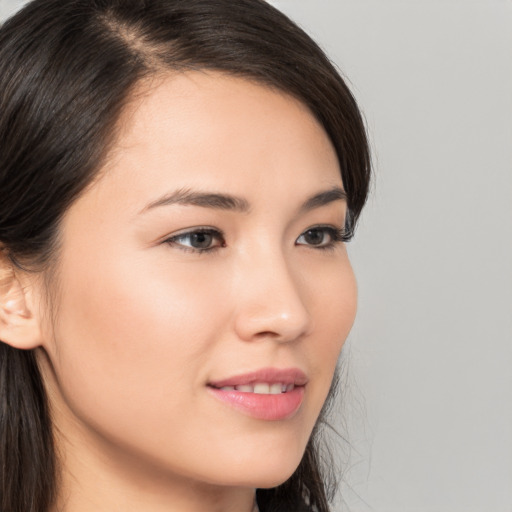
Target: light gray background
{"x": 428, "y": 404}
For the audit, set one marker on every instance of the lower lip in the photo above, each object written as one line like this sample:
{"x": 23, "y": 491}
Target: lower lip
{"x": 263, "y": 407}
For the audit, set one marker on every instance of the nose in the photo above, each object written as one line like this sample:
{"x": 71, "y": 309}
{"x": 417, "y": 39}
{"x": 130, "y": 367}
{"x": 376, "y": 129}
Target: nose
{"x": 271, "y": 301}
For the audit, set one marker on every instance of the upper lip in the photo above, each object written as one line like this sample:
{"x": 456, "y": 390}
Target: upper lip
{"x": 267, "y": 375}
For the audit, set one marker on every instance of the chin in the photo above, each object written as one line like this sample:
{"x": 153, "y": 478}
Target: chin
{"x": 268, "y": 459}
{"x": 267, "y": 473}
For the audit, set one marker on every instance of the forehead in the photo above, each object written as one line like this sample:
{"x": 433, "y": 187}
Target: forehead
{"x": 210, "y": 130}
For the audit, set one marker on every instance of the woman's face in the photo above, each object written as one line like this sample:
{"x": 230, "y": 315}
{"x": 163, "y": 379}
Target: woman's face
{"x": 206, "y": 256}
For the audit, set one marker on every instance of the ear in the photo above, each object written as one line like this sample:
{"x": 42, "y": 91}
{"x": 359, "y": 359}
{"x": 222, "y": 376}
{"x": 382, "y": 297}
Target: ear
{"x": 19, "y": 326}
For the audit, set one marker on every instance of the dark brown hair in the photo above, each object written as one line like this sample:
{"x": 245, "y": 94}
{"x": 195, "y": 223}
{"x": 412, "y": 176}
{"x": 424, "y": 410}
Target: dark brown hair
{"x": 67, "y": 69}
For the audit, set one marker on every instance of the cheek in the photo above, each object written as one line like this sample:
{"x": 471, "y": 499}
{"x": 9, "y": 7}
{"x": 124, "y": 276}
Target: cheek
{"x": 334, "y": 313}
{"x": 128, "y": 340}
{"x": 334, "y": 305}
{"x": 132, "y": 308}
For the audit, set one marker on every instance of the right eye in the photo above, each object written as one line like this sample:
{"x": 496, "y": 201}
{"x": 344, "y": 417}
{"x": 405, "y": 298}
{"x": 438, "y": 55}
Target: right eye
{"x": 198, "y": 240}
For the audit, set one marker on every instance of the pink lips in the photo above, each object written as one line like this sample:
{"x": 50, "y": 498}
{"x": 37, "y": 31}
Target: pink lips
{"x": 268, "y": 407}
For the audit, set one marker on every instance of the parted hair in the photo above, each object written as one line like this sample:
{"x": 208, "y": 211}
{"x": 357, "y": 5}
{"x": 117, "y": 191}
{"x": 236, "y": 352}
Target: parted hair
{"x": 67, "y": 70}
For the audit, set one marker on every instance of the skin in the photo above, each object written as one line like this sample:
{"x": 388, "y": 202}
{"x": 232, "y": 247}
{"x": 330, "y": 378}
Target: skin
{"x": 142, "y": 325}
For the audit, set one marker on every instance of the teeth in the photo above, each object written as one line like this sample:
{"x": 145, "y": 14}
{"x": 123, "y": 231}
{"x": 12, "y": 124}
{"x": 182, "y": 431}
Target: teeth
{"x": 261, "y": 388}
{"x": 276, "y": 389}
{"x": 247, "y": 388}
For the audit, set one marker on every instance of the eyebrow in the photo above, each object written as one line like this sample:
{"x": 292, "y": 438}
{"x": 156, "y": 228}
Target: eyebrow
{"x": 188, "y": 197}
{"x": 324, "y": 198}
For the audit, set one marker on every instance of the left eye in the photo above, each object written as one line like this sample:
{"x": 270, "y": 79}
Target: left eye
{"x": 322, "y": 236}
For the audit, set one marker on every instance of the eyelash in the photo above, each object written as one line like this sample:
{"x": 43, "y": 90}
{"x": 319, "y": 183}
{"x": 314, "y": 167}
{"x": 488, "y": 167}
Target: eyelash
{"x": 337, "y": 236}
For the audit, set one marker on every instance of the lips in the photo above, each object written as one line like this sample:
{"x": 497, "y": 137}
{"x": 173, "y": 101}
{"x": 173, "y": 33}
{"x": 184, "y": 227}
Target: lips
{"x": 268, "y": 394}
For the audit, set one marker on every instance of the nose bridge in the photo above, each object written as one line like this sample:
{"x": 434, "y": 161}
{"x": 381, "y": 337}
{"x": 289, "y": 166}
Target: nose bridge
{"x": 272, "y": 302}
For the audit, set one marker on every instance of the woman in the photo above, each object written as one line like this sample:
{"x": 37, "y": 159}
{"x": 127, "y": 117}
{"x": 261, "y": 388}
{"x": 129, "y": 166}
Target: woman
{"x": 177, "y": 181}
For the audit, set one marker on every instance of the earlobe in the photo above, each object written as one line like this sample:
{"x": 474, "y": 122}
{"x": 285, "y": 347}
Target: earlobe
{"x": 18, "y": 324}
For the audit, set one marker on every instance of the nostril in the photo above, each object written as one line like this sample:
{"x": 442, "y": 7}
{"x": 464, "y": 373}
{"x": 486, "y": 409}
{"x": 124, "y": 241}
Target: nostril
{"x": 266, "y": 334}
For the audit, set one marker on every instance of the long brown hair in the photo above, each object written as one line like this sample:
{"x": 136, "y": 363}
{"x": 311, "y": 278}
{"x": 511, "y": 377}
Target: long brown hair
{"x": 67, "y": 69}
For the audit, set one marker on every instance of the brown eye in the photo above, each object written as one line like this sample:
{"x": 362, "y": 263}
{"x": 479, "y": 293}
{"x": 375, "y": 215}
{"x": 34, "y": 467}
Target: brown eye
{"x": 322, "y": 237}
{"x": 199, "y": 240}
{"x": 314, "y": 236}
